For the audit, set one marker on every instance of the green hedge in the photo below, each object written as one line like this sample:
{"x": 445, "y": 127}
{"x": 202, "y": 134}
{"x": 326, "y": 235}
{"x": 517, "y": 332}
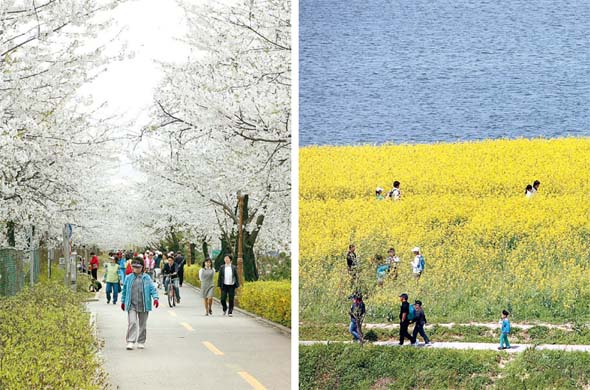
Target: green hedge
{"x": 268, "y": 299}
{"x": 46, "y": 341}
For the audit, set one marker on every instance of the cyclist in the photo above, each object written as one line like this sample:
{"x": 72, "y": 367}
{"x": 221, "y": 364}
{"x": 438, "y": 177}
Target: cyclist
{"x": 170, "y": 272}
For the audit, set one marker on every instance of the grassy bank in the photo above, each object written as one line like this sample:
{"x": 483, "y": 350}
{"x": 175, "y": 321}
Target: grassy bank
{"x": 486, "y": 246}
{"x": 46, "y": 341}
{"x": 344, "y": 367}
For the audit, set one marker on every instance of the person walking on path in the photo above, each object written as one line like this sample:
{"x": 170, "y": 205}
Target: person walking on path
{"x": 206, "y": 275}
{"x": 179, "y": 259}
{"x": 505, "y": 322}
{"x": 150, "y": 264}
{"x": 128, "y": 260}
{"x": 404, "y": 320}
{"x": 420, "y": 321}
{"x": 170, "y": 272}
{"x": 94, "y": 266}
{"x": 121, "y": 262}
{"x": 357, "y": 314}
{"x": 111, "y": 277}
{"x": 228, "y": 281}
{"x": 138, "y": 292}
{"x": 418, "y": 263}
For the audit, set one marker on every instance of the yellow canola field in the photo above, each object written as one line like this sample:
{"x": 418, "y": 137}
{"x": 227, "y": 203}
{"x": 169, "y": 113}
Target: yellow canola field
{"x": 487, "y": 247}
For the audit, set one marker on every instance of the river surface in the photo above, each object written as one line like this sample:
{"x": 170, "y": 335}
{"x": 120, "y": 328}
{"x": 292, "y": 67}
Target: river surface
{"x": 417, "y": 71}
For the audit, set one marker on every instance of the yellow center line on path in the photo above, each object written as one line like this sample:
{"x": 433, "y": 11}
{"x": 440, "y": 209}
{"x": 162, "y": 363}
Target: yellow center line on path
{"x": 251, "y": 380}
{"x": 187, "y": 326}
{"x": 173, "y": 314}
{"x": 212, "y": 348}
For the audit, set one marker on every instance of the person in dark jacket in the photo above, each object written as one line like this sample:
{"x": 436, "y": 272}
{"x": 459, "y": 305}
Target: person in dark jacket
{"x": 404, "y": 321}
{"x": 179, "y": 260}
{"x": 420, "y": 321}
{"x": 228, "y": 282}
{"x": 357, "y": 313}
{"x": 351, "y": 261}
{"x": 170, "y": 272}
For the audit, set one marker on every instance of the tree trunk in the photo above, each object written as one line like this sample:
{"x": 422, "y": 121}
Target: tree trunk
{"x": 10, "y": 234}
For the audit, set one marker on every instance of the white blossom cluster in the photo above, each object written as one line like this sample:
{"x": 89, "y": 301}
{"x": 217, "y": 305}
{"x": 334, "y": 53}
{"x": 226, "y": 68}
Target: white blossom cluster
{"x": 221, "y": 124}
{"x": 50, "y": 148}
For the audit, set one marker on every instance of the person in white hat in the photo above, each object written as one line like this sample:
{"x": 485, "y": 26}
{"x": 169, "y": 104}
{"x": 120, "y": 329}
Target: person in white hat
{"x": 417, "y": 263}
{"x": 379, "y": 193}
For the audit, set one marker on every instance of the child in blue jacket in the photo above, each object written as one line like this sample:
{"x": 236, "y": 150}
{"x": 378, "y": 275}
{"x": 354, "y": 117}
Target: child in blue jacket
{"x": 504, "y": 343}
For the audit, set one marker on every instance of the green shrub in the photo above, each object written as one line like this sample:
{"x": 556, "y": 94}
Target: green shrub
{"x": 46, "y": 341}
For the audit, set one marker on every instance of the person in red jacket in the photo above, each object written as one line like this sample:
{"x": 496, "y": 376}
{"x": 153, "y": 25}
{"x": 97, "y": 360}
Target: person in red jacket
{"x": 94, "y": 266}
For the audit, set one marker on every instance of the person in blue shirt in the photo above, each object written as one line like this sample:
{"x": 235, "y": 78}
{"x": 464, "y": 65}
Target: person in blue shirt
{"x": 504, "y": 343}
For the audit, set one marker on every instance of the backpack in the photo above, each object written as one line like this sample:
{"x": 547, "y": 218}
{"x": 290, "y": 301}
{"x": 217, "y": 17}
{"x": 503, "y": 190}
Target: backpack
{"x": 422, "y": 263}
{"x": 411, "y": 313}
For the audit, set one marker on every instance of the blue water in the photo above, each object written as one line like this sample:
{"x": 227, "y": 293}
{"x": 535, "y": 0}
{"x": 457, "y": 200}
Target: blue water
{"x": 417, "y": 71}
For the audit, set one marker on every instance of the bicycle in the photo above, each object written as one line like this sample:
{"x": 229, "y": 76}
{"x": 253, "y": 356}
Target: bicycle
{"x": 172, "y": 298}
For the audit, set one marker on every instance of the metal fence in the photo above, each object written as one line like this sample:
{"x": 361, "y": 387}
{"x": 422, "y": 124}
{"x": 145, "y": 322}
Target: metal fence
{"x": 16, "y": 270}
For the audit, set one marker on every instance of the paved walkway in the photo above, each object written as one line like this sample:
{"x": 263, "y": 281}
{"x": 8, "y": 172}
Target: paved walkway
{"x": 474, "y": 346}
{"x": 187, "y": 350}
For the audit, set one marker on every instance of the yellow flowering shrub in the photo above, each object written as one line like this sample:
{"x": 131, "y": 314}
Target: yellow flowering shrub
{"x": 267, "y": 299}
{"x": 487, "y": 247}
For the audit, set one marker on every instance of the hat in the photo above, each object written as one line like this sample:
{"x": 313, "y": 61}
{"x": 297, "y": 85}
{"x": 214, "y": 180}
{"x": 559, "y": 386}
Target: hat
{"x": 404, "y": 295}
{"x": 417, "y": 302}
{"x": 416, "y": 249}
{"x": 379, "y": 189}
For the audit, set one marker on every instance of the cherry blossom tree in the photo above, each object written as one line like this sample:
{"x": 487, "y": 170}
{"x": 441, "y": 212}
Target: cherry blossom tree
{"x": 221, "y": 125}
{"x": 49, "y": 141}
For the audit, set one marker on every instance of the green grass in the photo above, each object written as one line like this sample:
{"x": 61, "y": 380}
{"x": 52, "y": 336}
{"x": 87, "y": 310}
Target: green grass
{"x": 46, "y": 341}
{"x": 344, "y": 367}
{"x": 580, "y": 334}
{"x": 547, "y": 370}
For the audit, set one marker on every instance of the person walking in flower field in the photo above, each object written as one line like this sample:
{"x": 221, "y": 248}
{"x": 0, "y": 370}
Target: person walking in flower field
{"x": 379, "y": 193}
{"x": 536, "y": 185}
{"x": 395, "y": 193}
{"x": 505, "y": 323}
{"x": 418, "y": 263}
{"x": 393, "y": 261}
